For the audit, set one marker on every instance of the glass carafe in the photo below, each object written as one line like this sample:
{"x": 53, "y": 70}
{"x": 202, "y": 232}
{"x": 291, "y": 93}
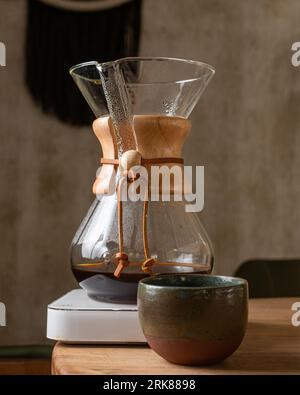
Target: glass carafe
{"x": 142, "y": 107}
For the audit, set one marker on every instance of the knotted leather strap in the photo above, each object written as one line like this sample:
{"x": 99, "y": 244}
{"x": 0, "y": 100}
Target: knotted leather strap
{"x": 121, "y": 257}
{"x": 149, "y": 161}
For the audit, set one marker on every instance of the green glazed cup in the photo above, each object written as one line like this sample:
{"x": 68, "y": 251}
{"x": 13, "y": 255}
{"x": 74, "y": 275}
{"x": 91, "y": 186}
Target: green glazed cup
{"x": 193, "y": 319}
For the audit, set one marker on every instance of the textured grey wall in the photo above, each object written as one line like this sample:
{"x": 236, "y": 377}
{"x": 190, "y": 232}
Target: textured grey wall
{"x": 244, "y": 132}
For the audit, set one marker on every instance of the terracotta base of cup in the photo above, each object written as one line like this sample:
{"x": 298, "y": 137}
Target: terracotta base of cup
{"x": 193, "y": 352}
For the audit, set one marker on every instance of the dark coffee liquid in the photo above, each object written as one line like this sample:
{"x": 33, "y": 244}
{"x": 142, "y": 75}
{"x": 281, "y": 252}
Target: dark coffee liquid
{"x": 105, "y": 287}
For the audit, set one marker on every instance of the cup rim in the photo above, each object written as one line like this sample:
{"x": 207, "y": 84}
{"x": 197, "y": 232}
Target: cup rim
{"x": 238, "y": 282}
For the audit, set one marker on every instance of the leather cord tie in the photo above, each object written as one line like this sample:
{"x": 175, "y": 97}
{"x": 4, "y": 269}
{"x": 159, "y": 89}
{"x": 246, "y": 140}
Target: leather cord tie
{"x": 149, "y": 161}
{"x": 149, "y": 261}
{"x": 147, "y": 266}
{"x": 122, "y": 259}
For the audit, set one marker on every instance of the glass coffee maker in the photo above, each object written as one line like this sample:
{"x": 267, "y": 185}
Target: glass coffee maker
{"x": 141, "y": 107}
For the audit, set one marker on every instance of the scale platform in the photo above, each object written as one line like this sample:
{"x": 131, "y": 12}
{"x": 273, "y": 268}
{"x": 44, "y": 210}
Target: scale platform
{"x": 76, "y": 318}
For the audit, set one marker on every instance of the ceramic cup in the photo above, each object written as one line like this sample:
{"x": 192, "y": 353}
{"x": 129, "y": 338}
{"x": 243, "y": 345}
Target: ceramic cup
{"x": 193, "y": 319}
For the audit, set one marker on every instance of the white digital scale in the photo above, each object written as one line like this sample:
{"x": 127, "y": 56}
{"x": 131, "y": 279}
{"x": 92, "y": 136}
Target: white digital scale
{"x": 76, "y": 318}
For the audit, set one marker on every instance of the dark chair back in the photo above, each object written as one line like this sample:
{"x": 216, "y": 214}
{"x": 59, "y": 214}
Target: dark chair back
{"x": 269, "y": 278}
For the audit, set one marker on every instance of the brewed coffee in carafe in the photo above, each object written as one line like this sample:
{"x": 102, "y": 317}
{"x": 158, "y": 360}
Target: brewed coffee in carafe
{"x": 142, "y": 107}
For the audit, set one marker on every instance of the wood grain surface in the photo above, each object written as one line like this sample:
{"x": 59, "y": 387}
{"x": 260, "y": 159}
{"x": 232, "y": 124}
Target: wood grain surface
{"x": 271, "y": 346}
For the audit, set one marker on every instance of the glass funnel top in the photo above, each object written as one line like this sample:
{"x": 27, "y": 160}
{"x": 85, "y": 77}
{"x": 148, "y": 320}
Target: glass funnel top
{"x": 164, "y": 86}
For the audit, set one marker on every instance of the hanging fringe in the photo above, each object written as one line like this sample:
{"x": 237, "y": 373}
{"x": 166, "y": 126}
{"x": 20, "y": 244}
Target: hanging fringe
{"x": 58, "y": 38}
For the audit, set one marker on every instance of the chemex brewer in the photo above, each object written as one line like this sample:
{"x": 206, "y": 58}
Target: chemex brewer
{"x": 142, "y": 107}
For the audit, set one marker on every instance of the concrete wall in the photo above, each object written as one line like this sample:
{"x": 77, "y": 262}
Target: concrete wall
{"x": 244, "y": 133}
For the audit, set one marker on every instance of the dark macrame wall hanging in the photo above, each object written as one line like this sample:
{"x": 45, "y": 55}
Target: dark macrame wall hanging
{"x": 62, "y": 33}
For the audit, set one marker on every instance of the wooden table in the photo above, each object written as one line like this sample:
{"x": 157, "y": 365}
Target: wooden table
{"x": 271, "y": 345}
